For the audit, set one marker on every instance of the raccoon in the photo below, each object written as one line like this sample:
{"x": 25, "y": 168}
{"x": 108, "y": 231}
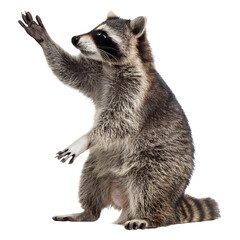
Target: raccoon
{"x": 141, "y": 153}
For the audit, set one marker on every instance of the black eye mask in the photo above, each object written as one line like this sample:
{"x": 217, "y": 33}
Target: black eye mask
{"x": 106, "y": 44}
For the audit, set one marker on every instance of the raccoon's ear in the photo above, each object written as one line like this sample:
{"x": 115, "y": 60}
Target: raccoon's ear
{"x": 138, "y": 26}
{"x": 111, "y": 15}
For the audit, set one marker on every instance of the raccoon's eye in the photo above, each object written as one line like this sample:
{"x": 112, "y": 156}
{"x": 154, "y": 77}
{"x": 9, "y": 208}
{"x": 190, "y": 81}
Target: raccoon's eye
{"x": 102, "y": 35}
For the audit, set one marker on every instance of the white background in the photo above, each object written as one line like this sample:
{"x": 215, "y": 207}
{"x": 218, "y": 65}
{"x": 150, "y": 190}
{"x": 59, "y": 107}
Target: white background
{"x": 196, "y": 45}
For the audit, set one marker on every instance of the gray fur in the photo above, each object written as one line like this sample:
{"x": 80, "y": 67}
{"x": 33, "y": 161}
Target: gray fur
{"x": 141, "y": 149}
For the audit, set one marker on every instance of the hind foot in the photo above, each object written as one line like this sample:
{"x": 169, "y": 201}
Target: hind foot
{"x": 136, "y": 224}
{"x": 76, "y": 217}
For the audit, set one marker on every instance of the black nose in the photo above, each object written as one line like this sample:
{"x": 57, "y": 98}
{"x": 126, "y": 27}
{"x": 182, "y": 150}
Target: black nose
{"x": 75, "y": 40}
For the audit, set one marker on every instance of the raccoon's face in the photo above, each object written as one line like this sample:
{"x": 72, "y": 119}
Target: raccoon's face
{"x": 111, "y": 40}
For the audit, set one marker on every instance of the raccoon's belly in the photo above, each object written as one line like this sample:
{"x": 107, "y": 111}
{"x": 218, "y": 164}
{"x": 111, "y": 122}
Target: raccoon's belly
{"x": 107, "y": 162}
{"x": 118, "y": 196}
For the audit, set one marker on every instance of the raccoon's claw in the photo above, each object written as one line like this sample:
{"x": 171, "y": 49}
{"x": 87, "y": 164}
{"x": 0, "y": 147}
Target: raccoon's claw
{"x": 65, "y": 155}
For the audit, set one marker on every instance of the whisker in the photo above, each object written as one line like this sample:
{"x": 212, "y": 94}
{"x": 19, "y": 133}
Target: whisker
{"x": 105, "y": 47}
{"x": 108, "y": 55}
{"x": 104, "y": 55}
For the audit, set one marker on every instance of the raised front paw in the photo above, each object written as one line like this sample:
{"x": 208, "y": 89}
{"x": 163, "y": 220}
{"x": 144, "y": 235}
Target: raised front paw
{"x": 35, "y": 30}
{"x": 65, "y": 155}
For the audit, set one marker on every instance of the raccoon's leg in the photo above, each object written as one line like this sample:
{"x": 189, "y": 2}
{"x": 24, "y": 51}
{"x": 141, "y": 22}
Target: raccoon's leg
{"x": 93, "y": 193}
{"x": 150, "y": 203}
{"x": 93, "y": 189}
{"x": 149, "y": 210}
{"x": 76, "y": 217}
{"x": 141, "y": 203}
{"x": 77, "y": 72}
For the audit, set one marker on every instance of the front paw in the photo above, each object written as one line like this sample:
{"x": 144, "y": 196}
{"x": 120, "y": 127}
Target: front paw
{"x": 74, "y": 150}
{"x": 34, "y": 29}
{"x": 65, "y": 155}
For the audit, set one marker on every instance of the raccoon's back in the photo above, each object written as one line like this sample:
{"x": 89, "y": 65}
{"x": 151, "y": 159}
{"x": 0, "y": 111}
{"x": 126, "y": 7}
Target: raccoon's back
{"x": 161, "y": 102}
{"x": 164, "y": 115}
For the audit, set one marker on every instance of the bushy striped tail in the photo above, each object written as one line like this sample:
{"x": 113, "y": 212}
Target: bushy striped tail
{"x": 191, "y": 209}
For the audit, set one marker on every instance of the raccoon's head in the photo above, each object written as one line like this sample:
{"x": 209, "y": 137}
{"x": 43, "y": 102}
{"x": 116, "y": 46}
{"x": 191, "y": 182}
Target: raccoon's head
{"x": 113, "y": 40}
